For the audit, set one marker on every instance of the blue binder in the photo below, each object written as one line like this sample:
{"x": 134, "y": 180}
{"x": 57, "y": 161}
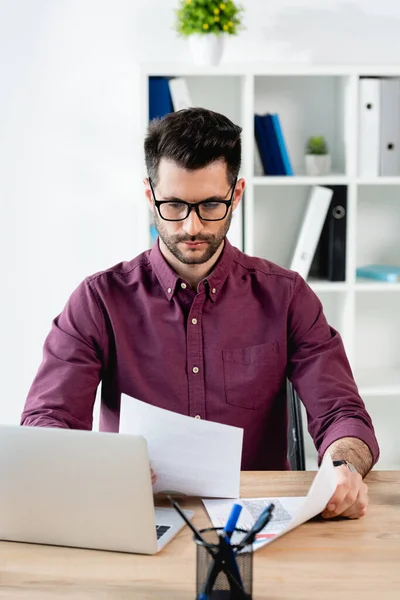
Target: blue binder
{"x": 263, "y": 147}
{"x": 160, "y": 102}
{"x": 279, "y": 168}
{"x": 388, "y": 273}
{"x": 153, "y": 233}
{"x": 282, "y": 145}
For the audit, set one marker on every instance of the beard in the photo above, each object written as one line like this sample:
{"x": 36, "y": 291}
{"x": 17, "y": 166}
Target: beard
{"x": 189, "y": 257}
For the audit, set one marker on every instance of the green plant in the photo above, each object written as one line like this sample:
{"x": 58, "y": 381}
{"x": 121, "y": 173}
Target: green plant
{"x": 316, "y": 145}
{"x": 208, "y": 16}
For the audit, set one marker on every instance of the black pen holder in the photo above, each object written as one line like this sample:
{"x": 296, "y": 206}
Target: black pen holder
{"x": 223, "y": 571}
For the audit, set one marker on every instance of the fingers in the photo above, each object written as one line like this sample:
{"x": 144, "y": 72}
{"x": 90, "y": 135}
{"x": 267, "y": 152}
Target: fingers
{"x": 350, "y": 498}
{"x": 357, "y": 514}
{"x": 360, "y": 507}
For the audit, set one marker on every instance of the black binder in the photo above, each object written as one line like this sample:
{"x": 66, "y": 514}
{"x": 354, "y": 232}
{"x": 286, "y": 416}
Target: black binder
{"x": 329, "y": 261}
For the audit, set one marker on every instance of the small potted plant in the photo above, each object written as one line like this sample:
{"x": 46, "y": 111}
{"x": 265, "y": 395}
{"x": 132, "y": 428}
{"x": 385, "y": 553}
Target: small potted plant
{"x": 206, "y": 23}
{"x": 318, "y": 160}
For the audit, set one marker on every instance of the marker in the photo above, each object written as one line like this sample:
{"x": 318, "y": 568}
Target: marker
{"x": 232, "y": 520}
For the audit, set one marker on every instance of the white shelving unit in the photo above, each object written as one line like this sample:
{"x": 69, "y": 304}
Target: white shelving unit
{"x": 317, "y": 100}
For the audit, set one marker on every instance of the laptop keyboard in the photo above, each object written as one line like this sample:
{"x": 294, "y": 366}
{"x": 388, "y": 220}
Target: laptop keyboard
{"x": 161, "y": 529}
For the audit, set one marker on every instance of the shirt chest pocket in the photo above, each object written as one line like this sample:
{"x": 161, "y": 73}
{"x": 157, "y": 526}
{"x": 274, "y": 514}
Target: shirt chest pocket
{"x": 252, "y": 374}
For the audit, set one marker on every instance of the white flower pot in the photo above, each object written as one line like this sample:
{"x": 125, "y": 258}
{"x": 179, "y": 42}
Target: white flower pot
{"x": 318, "y": 164}
{"x": 206, "y": 48}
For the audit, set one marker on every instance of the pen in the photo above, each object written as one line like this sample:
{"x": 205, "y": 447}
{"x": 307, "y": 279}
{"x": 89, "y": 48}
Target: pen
{"x": 261, "y": 522}
{"x": 227, "y": 534}
{"x": 187, "y": 521}
{"x": 232, "y": 520}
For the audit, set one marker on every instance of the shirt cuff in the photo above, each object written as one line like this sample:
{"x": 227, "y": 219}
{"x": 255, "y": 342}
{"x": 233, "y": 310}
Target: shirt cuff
{"x": 39, "y": 421}
{"x": 350, "y": 429}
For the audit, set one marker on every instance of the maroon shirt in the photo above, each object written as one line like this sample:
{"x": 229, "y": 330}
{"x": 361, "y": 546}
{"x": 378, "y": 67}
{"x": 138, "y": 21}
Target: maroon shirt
{"x": 222, "y": 353}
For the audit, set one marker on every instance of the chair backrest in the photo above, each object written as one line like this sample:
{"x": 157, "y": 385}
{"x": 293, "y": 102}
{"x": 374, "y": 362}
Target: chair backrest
{"x": 296, "y": 454}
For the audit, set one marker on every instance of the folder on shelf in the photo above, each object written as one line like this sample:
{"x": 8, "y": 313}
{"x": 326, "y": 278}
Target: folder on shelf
{"x": 390, "y": 127}
{"x": 369, "y": 126}
{"x": 277, "y": 160}
{"x": 153, "y": 233}
{"x": 263, "y": 146}
{"x": 282, "y": 145}
{"x": 311, "y": 228}
{"x": 258, "y": 166}
{"x": 160, "y": 103}
{"x": 180, "y": 93}
{"x": 235, "y": 233}
{"x": 271, "y": 145}
{"x": 329, "y": 260}
{"x": 388, "y": 273}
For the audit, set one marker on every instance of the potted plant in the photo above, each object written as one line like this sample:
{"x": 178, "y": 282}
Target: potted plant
{"x": 318, "y": 160}
{"x": 206, "y": 23}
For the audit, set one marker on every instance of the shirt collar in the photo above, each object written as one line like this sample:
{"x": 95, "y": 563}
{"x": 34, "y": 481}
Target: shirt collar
{"x": 218, "y": 275}
{"x": 212, "y": 284}
{"x": 166, "y": 276}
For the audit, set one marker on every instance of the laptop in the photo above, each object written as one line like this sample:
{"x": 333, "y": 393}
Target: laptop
{"x": 83, "y": 489}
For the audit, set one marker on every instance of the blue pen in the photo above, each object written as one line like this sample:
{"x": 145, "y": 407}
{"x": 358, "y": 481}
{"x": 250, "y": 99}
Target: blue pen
{"x": 232, "y": 520}
{"x": 227, "y": 534}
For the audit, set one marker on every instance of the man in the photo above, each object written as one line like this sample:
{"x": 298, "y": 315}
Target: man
{"x": 196, "y": 326}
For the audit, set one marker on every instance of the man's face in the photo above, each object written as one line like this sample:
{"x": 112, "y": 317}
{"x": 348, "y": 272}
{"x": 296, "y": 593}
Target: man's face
{"x": 193, "y": 241}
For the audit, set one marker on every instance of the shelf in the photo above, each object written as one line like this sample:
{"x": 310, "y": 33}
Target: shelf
{"x": 378, "y": 382}
{"x": 301, "y": 180}
{"x": 369, "y": 286}
{"x": 379, "y": 181}
{"x": 328, "y": 286}
{"x": 266, "y": 69}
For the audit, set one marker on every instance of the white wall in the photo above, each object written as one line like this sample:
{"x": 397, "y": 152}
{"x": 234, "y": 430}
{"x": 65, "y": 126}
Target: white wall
{"x": 68, "y": 142}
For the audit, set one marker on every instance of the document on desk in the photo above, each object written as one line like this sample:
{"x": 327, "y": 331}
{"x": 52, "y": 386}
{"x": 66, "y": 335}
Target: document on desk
{"x": 189, "y": 456}
{"x": 289, "y": 512}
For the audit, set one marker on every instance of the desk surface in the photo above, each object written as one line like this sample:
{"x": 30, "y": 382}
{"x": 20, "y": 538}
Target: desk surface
{"x": 332, "y": 560}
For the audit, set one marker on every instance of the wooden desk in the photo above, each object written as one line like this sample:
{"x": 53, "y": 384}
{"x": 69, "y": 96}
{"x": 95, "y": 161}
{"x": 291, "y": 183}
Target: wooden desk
{"x": 333, "y": 560}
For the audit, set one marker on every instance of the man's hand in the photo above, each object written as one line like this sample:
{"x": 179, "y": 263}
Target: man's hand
{"x": 350, "y": 498}
{"x": 153, "y": 476}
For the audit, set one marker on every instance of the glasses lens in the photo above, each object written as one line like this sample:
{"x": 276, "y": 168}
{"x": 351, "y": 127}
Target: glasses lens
{"x": 173, "y": 211}
{"x": 212, "y": 210}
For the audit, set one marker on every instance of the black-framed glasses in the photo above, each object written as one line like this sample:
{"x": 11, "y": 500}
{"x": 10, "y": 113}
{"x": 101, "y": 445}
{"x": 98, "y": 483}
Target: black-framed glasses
{"x": 212, "y": 209}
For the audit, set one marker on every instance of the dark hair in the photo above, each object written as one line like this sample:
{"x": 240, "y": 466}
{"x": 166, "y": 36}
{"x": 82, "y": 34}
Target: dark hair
{"x": 193, "y": 138}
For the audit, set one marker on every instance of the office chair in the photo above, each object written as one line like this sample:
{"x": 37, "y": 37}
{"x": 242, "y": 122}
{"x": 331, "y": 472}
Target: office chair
{"x": 296, "y": 454}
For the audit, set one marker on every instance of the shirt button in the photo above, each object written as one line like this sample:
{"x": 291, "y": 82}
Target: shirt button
{"x": 169, "y": 290}
{"x": 194, "y": 321}
{"x": 183, "y": 286}
{"x": 213, "y": 290}
{"x": 195, "y": 369}
{"x": 197, "y": 417}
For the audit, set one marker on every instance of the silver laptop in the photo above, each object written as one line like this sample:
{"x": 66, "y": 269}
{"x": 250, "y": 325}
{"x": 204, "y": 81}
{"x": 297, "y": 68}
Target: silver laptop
{"x": 80, "y": 488}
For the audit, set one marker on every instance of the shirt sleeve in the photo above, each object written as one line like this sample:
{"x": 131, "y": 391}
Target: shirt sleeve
{"x": 64, "y": 389}
{"x": 321, "y": 374}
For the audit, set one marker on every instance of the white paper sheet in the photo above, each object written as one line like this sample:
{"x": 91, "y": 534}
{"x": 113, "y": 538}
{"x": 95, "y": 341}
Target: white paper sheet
{"x": 189, "y": 456}
{"x": 289, "y": 512}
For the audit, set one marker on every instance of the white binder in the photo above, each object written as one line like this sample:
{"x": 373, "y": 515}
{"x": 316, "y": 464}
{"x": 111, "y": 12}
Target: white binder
{"x": 311, "y": 228}
{"x": 390, "y": 127}
{"x": 369, "y": 127}
{"x": 180, "y": 95}
{"x": 235, "y": 233}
